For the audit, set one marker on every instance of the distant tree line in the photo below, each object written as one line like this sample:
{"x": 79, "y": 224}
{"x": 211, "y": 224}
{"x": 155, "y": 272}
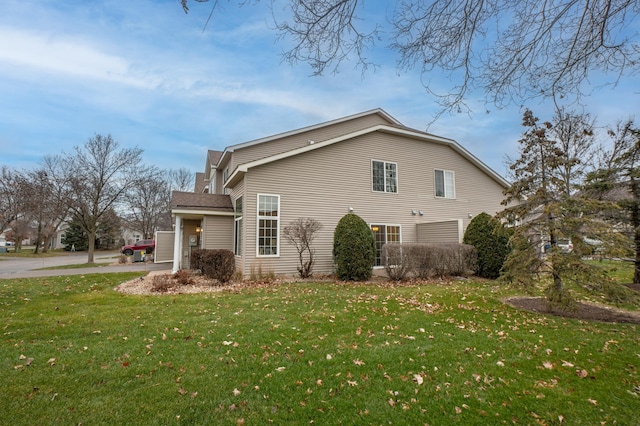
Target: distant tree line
{"x": 98, "y": 190}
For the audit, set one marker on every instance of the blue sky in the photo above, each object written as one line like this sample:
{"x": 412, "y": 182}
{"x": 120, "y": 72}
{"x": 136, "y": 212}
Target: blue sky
{"x": 148, "y": 74}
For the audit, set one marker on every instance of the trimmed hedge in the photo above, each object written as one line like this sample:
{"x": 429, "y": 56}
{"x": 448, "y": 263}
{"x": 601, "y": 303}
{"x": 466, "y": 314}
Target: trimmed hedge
{"x": 428, "y": 260}
{"x": 216, "y": 264}
{"x": 354, "y": 249}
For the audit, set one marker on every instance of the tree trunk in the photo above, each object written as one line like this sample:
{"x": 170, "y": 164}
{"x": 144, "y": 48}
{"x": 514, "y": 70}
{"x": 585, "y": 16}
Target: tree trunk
{"x": 635, "y": 219}
{"x": 92, "y": 246}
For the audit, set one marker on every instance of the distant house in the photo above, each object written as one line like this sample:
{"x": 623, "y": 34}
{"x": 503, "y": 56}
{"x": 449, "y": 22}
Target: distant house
{"x": 408, "y": 185}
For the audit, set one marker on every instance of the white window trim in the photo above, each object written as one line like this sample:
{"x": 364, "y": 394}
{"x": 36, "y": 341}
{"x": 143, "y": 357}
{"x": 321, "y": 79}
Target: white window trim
{"x": 258, "y": 217}
{"x": 385, "y": 225}
{"x": 444, "y": 177}
{"x": 237, "y": 219}
{"x": 384, "y": 170}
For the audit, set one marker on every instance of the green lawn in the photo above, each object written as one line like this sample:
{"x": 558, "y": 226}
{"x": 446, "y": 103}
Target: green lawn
{"x": 74, "y": 351}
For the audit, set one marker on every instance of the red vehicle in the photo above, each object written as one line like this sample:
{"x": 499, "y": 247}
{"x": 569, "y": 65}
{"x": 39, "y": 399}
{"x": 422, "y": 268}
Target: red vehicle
{"x": 147, "y": 245}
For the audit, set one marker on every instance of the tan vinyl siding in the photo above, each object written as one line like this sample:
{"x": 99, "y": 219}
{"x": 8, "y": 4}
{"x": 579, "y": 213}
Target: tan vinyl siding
{"x": 218, "y": 232}
{"x": 324, "y": 183}
{"x": 188, "y": 229}
{"x": 164, "y": 246}
{"x": 439, "y": 232}
{"x": 267, "y": 149}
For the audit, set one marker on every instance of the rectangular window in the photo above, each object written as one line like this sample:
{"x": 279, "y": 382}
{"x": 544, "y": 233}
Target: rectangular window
{"x": 384, "y": 234}
{"x": 445, "y": 184}
{"x": 384, "y": 176}
{"x": 225, "y": 176}
{"x": 237, "y": 234}
{"x": 268, "y": 225}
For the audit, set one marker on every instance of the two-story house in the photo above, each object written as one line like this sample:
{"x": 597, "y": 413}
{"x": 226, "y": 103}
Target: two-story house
{"x": 408, "y": 185}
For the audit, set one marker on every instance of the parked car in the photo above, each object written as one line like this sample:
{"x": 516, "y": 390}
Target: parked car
{"x": 147, "y": 245}
{"x": 565, "y": 246}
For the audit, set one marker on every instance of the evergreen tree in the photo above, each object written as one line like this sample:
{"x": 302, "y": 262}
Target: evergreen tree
{"x": 75, "y": 237}
{"x": 545, "y": 213}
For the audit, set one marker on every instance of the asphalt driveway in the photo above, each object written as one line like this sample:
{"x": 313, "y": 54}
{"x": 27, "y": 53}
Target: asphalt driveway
{"x": 18, "y": 267}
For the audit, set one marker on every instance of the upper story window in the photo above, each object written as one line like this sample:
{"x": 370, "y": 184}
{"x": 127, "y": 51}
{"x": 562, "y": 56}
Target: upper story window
{"x": 445, "y": 184}
{"x": 237, "y": 234}
{"x": 384, "y": 176}
{"x": 268, "y": 225}
{"x": 225, "y": 176}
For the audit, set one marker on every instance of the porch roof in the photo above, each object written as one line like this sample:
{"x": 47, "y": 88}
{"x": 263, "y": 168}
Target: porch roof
{"x": 200, "y": 202}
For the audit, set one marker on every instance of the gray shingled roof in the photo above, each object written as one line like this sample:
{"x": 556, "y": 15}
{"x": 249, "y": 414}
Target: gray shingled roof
{"x": 190, "y": 200}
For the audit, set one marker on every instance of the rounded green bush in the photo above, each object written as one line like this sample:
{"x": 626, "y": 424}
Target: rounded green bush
{"x": 354, "y": 249}
{"x": 491, "y": 240}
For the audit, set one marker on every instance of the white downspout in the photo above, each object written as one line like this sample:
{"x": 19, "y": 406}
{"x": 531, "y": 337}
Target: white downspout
{"x": 177, "y": 245}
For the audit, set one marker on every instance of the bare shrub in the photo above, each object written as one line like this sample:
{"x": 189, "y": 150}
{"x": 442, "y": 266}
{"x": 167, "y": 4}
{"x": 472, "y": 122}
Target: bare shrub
{"x": 218, "y": 264}
{"x": 257, "y": 274}
{"x": 183, "y": 277}
{"x": 301, "y": 233}
{"x": 396, "y": 260}
{"x": 195, "y": 262}
{"x": 428, "y": 260}
{"x": 122, "y": 259}
{"x": 162, "y": 283}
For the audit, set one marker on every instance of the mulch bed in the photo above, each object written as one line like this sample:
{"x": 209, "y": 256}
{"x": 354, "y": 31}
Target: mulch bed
{"x": 580, "y": 310}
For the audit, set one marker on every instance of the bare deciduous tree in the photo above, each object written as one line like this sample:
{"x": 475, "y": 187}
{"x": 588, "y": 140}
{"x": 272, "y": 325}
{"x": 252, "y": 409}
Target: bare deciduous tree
{"x": 181, "y": 179}
{"x": 148, "y": 206}
{"x": 9, "y": 198}
{"x": 513, "y": 50}
{"x": 301, "y": 233}
{"x": 101, "y": 176}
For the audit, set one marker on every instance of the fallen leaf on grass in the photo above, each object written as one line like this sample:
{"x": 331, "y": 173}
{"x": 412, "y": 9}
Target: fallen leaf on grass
{"x": 358, "y": 362}
{"x": 418, "y": 378}
{"x": 581, "y": 373}
{"x": 547, "y": 365}
{"x": 592, "y": 401}
{"x": 236, "y": 392}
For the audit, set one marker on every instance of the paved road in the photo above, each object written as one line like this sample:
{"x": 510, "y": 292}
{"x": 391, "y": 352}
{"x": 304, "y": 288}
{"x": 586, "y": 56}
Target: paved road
{"x": 17, "y": 267}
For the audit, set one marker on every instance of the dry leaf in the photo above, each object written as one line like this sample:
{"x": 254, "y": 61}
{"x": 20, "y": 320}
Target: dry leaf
{"x": 547, "y": 365}
{"x": 358, "y": 362}
{"x": 567, "y": 364}
{"x": 352, "y": 383}
{"x": 593, "y": 401}
{"x": 418, "y": 378}
{"x": 581, "y": 373}
{"x": 458, "y": 410}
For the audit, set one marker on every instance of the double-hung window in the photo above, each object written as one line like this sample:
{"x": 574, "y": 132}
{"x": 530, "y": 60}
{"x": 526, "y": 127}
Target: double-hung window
{"x": 445, "y": 184}
{"x": 268, "y": 225}
{"x": 237, "y": 234}
{"x": 384, "y": 176}
{"x": 225, "y": 176}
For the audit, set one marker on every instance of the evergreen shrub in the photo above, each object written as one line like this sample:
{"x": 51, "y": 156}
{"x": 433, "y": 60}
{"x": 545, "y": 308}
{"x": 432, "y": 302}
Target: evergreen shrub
{"x": 354, "y": 249}
{"x": 491, "y": 240}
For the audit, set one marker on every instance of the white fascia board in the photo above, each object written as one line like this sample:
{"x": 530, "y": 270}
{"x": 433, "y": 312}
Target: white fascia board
{"x": 456, "y": 147}
{"x": 183, "y": 211}
{"x": 243, "y": 168}
{"x": 314, "y": 127}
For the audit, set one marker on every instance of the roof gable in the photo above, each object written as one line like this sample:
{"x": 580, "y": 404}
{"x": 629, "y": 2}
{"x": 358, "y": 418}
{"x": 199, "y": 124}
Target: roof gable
{"x": 397, "y": 130}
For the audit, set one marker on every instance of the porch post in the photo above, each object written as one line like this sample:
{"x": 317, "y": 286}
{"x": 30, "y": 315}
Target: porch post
{"x": 177, "y": 245}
